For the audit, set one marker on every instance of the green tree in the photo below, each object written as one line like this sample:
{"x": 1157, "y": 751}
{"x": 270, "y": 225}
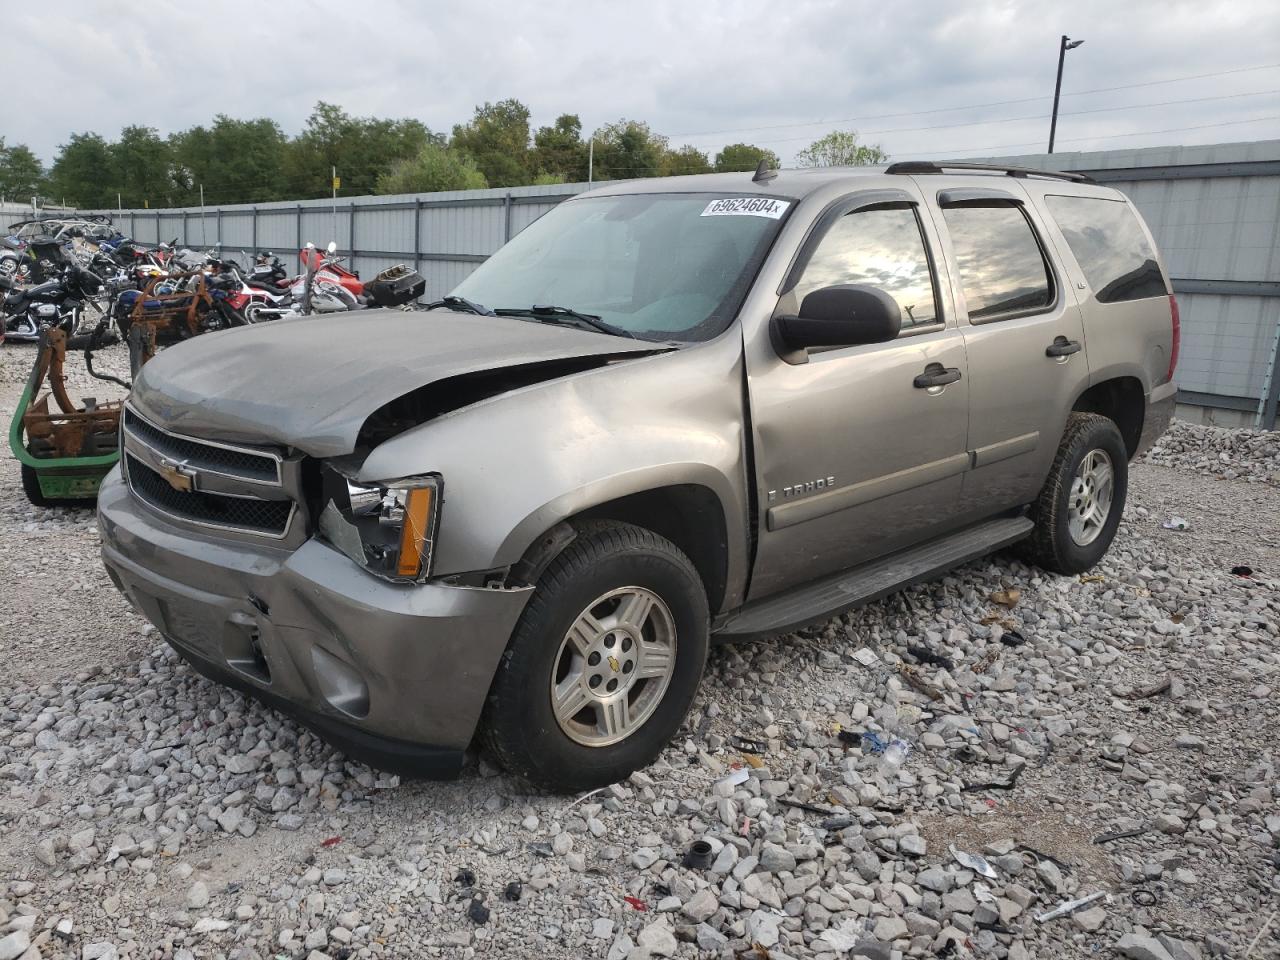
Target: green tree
{"x": 558, "y": 150}
{"x": 237, "y": 161}
{"x": 738, "y": 157}
{"x": 497, "y": 138}
{"x": 21, "y": 173}
{"x": 82, "y": 174}
{"x": 840, "y": 148}
{"x": 141, "y": 166}
{"x": 361, "y": 148}
{"x": 626, "y": 149}
{"x": 433, "y": 168}
{"x": 682, "y": 162}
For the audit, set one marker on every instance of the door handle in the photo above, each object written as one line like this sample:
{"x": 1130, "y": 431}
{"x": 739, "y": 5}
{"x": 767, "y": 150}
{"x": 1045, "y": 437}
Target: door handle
{"x": 936, "y": 375}
{"x": 1062, "y": 347}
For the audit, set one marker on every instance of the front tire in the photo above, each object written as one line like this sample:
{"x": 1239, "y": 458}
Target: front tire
{"x": 1080, "y": 505}
{"x": 603, "y": 664}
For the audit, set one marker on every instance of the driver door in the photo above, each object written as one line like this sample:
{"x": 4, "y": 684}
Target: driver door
{"x": 855, "y": 457}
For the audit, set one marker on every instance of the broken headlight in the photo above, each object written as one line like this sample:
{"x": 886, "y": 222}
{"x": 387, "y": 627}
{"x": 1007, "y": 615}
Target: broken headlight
{"x": 388, "y": 528}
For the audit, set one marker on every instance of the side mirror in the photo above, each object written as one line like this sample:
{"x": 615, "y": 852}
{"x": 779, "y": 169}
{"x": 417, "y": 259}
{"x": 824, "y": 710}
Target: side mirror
{"x": 332, "y": 248}
{"x": 846, "y": 315}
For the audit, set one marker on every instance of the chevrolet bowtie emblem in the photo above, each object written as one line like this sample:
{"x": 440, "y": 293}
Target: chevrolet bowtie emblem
{"x": 613, "y": 662}
{"x": 178, "y": 475}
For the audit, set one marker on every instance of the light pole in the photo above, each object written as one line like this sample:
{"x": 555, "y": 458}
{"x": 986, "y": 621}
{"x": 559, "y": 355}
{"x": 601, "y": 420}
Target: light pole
{"x": 1066, "y": 44}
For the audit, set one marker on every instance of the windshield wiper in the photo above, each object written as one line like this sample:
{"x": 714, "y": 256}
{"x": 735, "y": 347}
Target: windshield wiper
{"x": 552, "y": 314}
{"x": 462, "y": 305}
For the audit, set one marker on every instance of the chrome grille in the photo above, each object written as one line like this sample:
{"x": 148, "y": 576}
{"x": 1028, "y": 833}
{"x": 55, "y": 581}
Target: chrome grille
{"x": 232, "y": 461}
{"x": 270, "y": 517}
{"x": 239, "y": 489}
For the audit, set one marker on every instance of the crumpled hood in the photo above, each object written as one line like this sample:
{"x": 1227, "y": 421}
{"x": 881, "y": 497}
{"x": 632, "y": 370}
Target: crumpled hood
{"x": 311, "y": 382}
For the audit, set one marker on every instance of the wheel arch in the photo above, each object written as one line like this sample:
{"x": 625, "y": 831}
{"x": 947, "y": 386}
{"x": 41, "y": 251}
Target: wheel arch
{"x": 1121, "y": 400}
{"x": 691, "y": 515}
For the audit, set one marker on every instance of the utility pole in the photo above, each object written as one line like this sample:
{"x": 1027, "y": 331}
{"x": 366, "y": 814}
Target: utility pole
{"x": 1064, "y": 45}
{"x": 334, "y": 184}
{"x": 591, "y": 160}
{"x": 203, "y": 241}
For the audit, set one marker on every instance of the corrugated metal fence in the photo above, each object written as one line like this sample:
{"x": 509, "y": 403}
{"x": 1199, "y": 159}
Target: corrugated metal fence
{"x": 1214, "y": 210}
{"x": 445, "y": 235}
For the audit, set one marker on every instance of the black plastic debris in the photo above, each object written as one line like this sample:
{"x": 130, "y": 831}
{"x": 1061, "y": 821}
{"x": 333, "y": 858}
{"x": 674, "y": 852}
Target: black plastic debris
{"x": 968, "y": 754}
{"x": 1242, "y": 571}
{"x": 1145, "y": 897}
{"x": 1012, "y": 638}
{"x": 993, "y": 927}
{"x": 997, "y": 784}
{"x": 512, "y": 891}
{"x": 926, "y": 656}
{"x": 478, "y": 912}
{"x": 747, "y": 744}
{"x": 850, "y": 738}
{"x": 465, "y": 877}
{"x": 1038, "y": 855}
{"x": 699, "y": 856}
{"x": 806, "y": 807}
{"x": 1120, "y": 835}
{"x": 541, "y": 848}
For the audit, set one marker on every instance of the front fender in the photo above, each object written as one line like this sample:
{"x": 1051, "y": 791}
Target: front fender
{"x": 517, "y": 464}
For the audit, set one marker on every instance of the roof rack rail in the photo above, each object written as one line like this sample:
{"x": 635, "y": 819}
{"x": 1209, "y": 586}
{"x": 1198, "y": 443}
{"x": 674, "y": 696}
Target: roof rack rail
{"x": 911, "y": 167}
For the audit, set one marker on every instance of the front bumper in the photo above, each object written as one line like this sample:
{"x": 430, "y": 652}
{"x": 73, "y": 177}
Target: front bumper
{"x": 395, "y": 675}
{"x": 1157, "y": 415}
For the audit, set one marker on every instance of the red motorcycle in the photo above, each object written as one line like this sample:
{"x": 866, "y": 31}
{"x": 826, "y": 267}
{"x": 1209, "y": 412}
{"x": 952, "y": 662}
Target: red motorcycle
{"x": 329, "y": 269}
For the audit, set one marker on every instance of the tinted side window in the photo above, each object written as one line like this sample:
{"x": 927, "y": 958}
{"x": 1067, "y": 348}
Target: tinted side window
{"x": 1110, "y": 247}
{"x": 879, "y": 247}
{"x": 1001, "y": 267}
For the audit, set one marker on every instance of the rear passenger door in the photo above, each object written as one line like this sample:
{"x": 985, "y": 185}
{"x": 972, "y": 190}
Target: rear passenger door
{"x": 1023, "y": 337}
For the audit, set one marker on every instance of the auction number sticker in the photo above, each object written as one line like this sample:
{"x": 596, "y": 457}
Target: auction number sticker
{"x": 746, "y": 207}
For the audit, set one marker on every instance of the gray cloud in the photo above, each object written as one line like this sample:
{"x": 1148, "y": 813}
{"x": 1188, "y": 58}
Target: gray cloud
{"x": 753, "y": 69}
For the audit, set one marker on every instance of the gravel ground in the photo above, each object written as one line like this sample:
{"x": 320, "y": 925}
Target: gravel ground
{"x": 146, "y": 812}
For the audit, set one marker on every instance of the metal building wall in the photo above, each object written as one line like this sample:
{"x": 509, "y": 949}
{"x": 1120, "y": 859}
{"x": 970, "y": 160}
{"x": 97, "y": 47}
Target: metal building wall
{"x": 1214, "y": 211}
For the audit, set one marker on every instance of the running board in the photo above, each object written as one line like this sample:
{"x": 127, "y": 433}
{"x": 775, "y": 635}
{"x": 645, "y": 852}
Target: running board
{"x": 851, "y": 588}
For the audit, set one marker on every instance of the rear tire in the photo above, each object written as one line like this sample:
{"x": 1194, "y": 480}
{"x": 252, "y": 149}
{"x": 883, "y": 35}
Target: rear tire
{"x": 1080, "y": 505}
{"x": 31, "y": 487}
{"x": 620, "y": 616}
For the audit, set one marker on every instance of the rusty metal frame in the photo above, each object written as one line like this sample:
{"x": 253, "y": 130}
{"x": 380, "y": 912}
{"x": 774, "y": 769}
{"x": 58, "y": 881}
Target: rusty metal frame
{"x": 70, "y": 430}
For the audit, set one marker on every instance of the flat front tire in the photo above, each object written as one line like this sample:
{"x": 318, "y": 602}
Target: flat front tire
{"x": 1080, "y": 505}
{"x": 603, "y": 664}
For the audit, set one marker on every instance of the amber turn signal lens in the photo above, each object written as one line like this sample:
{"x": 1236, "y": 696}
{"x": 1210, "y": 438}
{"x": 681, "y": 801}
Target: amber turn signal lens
{"x": 417, "y": 517}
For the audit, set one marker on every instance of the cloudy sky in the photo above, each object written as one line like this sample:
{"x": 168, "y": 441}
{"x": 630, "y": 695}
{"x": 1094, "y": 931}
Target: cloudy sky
{"x": 923, "y": 79}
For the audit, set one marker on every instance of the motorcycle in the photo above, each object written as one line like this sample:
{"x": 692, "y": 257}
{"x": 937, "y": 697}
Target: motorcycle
{"x": 326, "y": 286}
{"x": 58, "y": 302}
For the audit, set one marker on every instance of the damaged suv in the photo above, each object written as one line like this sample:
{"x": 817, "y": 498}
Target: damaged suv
{"x": 668, "y": 411}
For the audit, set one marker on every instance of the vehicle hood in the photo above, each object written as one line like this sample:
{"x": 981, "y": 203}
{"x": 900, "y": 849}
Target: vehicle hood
{"x": 311, "y": 382}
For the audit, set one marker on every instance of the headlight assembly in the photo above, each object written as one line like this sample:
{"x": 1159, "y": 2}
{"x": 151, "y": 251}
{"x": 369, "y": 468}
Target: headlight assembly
{"x": 388, "y": 528}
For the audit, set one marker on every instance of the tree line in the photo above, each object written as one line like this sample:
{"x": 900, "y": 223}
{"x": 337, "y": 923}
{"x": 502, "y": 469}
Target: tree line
{"x": 254, "y": 161}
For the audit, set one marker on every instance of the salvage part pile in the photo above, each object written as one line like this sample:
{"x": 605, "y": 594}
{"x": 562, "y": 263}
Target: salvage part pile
{"x": 146, "y": 812}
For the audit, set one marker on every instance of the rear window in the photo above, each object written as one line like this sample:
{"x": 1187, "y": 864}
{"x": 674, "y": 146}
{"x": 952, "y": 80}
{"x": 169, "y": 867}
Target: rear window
{"x": 1002, "y": 271}
{"x": 1110, "y": 246}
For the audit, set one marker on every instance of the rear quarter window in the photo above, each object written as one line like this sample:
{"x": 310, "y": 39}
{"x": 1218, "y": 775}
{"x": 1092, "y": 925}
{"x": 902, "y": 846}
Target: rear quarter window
{"x": 1110, "y": 246}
